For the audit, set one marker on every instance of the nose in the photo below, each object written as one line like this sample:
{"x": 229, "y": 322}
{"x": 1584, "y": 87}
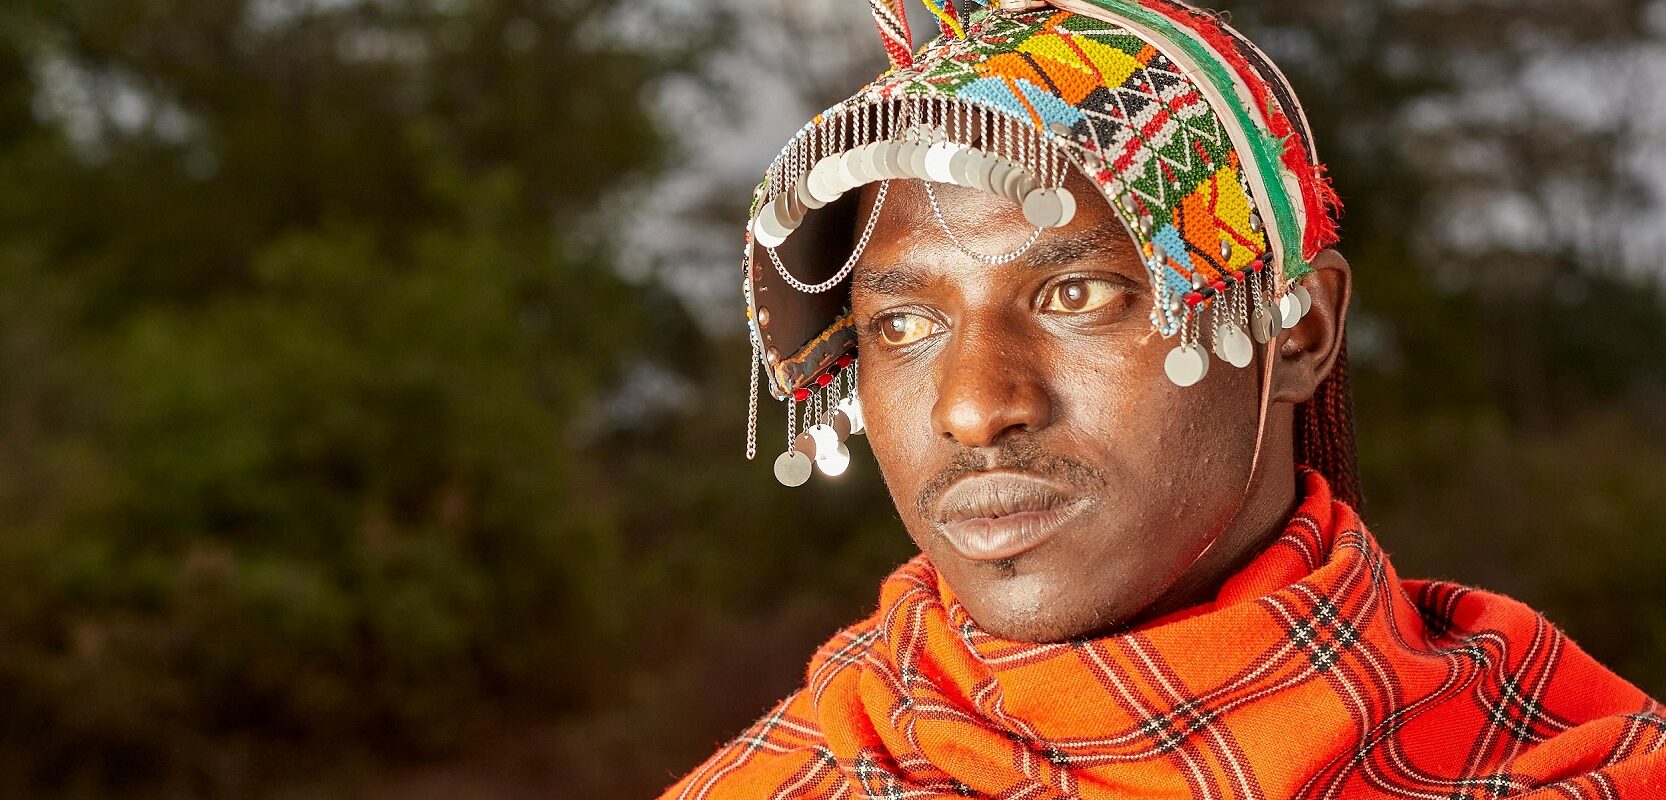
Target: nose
{"x": 992, "y": 384}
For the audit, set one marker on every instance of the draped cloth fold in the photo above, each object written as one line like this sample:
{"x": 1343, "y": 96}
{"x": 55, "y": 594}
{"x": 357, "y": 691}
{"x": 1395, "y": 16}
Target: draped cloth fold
{"x": 1314, "y": 672}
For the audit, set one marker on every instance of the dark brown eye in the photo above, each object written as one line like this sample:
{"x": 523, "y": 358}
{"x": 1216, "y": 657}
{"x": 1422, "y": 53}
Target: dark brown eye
{"x": 1080, "y": 296}
{"x": 900, "y": 329}
{"x": 1073, "y": 295}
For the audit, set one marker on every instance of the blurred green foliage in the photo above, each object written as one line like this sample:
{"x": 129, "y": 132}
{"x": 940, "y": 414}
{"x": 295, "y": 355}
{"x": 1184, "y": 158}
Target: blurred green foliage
{"x": 324, "y": 463}
{"x": 298, "y": 317}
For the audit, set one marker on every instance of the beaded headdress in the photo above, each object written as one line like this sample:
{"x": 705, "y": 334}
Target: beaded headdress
{"x": 1184, "y": 127}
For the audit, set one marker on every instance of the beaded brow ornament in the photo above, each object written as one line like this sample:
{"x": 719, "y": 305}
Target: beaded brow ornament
{"x": 1184, "y": 128}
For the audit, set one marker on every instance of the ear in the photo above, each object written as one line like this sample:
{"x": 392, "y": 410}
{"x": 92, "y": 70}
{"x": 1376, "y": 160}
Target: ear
{"x": 1309, "y": 350}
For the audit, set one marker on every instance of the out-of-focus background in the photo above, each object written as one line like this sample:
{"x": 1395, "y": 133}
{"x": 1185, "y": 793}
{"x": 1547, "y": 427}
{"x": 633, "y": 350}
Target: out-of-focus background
{"x": 373, "y": 383}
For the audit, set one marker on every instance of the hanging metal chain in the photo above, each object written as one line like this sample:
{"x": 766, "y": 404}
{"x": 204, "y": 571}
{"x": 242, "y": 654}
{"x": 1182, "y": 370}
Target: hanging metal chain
{"x": 993, "y": 261}
{"x": 752, "y": 411}
{"x": 850, "y": 263}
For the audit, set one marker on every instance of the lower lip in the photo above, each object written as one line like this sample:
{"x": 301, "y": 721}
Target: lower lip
{"x": 995, "y": 538}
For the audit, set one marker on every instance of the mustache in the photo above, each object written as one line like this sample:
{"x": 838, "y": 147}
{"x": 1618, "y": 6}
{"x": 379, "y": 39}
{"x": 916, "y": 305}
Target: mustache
{"x": 1019, "y": 455}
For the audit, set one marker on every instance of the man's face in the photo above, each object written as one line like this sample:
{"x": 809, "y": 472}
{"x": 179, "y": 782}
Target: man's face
{"x": 1022, "y": 420}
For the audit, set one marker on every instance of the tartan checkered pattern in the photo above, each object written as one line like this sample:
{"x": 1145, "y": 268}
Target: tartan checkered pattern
{"x": 1316, "y": 672}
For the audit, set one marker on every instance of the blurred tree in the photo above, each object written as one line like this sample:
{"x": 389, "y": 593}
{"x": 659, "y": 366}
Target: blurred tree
{"x": 301, "y": 303}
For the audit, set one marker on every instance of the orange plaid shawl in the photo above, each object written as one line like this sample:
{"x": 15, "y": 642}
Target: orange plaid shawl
{"x": 1315, "y": 672}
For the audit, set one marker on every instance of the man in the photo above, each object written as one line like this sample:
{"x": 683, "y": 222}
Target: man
{"x": 1140, "y": 574}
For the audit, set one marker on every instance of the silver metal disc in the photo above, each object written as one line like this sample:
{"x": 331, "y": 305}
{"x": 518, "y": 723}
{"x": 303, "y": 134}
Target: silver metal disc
{"x": 792, "y": 468}
{"x": 1233, "y": 345}
{"x": 856, "y": 164}
{"x": 1290, "y": 309}
{"x": 1186, "y": 365}
{"x": 1262, "y": 325}
{"x": 852, "y": 167}
{"x": 1302, "y": 295}
{"x": 987, "y": 174}
{"x": 885, "y": 164}
{"x": 960, "y": 166}
{"x": 766, "y": 235}
{"x": 806, "y": 444}
{"x": 905, "y": 159}
{"x": 1043, "y": 208}
{"x": 938, "y": 157}
{"x": 826, "y": 439}
{"x": 770, "y": 223}
{"x": 874, "y": 161}
{"x": 917, "y": 160}
{"x": 998, "y": 176}
{"x": 852, "y": 408}
{"x": 982, "y": 172}
{"x": 796, "y": 208}
{"x": 843, "y": 179}
{"x": 784, "y": 211}
{"x": 896, "y": 162}
{"x": 969, "y": 172}
{"x": 824, "y": 180}
{"x": 806, "y": 196}
{"x": 834, "y": 463}
{"x": 841, "y": 424}
{"x": 1026, "y": 184}
{"x": 1067, "y": 211}
{"x": 1012, "y": 185}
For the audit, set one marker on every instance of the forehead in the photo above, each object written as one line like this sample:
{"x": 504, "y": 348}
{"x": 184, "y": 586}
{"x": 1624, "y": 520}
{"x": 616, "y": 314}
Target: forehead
{"x": 931, "y": 231}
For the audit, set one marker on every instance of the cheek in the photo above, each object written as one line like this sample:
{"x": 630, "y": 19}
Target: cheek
{"x": 1107, "y": 403}
{"x": 1158, "y": 439}
{"x": 896, "y": 408}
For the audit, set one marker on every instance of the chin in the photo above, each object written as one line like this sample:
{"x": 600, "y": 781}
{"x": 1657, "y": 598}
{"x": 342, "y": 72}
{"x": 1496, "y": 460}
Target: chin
{"x": 1022, "y": 609}
{"x": 1059, "y": 592}
{"x": 1034, "y": 631}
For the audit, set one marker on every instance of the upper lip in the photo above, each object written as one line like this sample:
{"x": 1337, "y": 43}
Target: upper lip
{"x": 991, "y": 495}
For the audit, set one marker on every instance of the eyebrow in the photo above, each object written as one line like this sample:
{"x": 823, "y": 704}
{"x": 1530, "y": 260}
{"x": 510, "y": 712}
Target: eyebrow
{"x": 1049, "y": 251}
{"x": 892, "y": 280}
{"x": 1058, "y": 251}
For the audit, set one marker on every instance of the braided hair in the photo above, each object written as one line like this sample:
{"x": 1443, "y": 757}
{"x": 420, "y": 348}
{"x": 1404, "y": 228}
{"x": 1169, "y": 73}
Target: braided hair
{"x": 1325, "y": 433}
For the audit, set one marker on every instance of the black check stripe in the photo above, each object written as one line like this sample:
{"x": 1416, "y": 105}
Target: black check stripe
{"x": 1323, "y": 634}
{"x": 1497, "y": 784}
{"x": 1517, "y": 713}
{"x": 1171, "y": 729}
